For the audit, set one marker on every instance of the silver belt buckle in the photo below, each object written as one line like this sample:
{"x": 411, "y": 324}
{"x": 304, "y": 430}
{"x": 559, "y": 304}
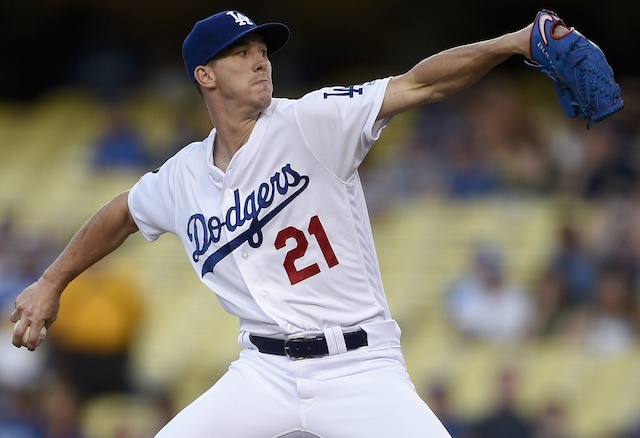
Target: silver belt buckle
{"x": 287, "y": 349}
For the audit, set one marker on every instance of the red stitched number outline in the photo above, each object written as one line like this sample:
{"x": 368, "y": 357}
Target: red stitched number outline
{"x": 302, "y": 243}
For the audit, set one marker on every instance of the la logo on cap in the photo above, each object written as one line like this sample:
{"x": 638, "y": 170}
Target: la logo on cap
{"x": 241, "y": 19}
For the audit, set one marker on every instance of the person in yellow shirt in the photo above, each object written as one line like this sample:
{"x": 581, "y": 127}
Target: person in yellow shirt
{"x": 101, "y": 311}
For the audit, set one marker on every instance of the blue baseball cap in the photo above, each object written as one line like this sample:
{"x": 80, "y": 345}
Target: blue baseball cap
{"x": 214, "y": 34}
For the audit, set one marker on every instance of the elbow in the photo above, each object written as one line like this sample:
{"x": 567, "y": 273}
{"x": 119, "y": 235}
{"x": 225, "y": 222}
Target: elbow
{"x": 121, "y": 202}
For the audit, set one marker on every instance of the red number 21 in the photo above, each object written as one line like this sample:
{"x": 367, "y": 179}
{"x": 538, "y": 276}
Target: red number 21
{"x": 315, "y": 229}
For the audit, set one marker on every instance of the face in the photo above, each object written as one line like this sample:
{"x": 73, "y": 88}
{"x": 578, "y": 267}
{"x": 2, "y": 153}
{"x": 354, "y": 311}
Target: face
{"x": 242, "y": 73}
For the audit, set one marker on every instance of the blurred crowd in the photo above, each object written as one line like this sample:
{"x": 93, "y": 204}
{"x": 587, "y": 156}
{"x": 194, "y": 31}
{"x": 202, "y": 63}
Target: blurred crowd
{"x": 86, "y": 354}
{"x": 483, "y": 144}
{"x": 489, "y": 143}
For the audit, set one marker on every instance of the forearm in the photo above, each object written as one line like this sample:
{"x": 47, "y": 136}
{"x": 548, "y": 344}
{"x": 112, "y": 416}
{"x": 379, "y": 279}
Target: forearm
{"x": 455, "y": 69}
{"x": 105, "y": 231}
{"x": 450, "y": 71}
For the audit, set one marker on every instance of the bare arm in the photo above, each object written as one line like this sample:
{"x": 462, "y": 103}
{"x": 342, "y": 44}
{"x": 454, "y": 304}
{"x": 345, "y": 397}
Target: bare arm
{"x": 450, "y": 71}
{"x": 38, "y": 305}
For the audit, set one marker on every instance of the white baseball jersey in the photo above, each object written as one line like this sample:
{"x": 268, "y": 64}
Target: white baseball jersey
{"x": 283, "y": 237}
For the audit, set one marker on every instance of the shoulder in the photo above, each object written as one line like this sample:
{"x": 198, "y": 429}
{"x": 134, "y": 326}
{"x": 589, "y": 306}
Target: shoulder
{"x": 194, "y": 151}
{"x": 333, "y": 101}
{"x": 196, "y": 147}
{"x": 333, "y": 94}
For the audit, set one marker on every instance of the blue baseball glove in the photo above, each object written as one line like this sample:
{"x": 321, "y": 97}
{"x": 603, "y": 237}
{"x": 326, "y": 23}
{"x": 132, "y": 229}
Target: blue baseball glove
{"x": 582, "y": 77}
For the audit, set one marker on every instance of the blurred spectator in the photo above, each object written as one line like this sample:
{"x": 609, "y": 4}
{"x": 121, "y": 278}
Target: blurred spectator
{"x": 60, "y": 406}
{"x": 23, "y": 257}
{"x": 100, "y": 313}
{"x": 610, "y": 328}
{"x": 20, "y": 378}
{"x": 21, "y": 270}
{"x": 19, "y": 418}
{"x": 574, "y": 265}
{"x": 460, "y": 167}
{"x": 507, "y": 134}
{"x": 469, "y": 174}
{"x": 20, "y": 369}
{"x": 21, "y": 260}
{"x": 551, "y": 304}
{"x": 438, "y": 401}
{"x": 616, "y": 235}
{"x": 121, "y": 145}
{"x": 567, "y": 152}
{"x": 415, "y": 169}
{"x": 484, "y": 304}
{"x": 611, "y": 167}
{"x": 606, "y": 326}
{"x": 505, "y": 420}
{"x": 551, "y": 422}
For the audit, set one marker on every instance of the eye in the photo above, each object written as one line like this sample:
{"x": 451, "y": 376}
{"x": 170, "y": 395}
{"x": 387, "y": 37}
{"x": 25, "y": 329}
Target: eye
{"x": 242, "y": 52}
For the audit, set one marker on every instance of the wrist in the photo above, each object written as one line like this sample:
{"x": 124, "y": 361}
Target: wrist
{"x": 522, "y": 41}
{"x": 52, "y": 282}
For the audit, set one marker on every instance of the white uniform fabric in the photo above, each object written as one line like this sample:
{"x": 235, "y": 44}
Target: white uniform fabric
{"x": 283, "y": 238}
{"x": 365, "y": 393}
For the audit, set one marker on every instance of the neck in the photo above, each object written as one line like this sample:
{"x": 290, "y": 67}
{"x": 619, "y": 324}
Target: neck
{"x": 230, "y": 137}
{"x": 234, "y": 124}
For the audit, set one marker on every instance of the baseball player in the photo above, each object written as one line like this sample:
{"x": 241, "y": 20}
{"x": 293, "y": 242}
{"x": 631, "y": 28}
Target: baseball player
{"x": 272, "y": 216}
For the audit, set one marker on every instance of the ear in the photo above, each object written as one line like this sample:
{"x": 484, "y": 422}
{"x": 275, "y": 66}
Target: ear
{"x": 204, "y": 76}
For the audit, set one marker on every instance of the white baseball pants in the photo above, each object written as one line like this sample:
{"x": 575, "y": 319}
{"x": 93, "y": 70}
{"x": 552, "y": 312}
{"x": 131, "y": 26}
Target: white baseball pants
{"x": 364, "y": 393}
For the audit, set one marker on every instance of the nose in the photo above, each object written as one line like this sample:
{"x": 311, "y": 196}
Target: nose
{"x": 261, "y": 63}
{"x": 260, "y": 60}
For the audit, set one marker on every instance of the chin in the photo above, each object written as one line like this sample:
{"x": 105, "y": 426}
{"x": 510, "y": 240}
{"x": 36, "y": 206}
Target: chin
{"x": 265, "y": 102}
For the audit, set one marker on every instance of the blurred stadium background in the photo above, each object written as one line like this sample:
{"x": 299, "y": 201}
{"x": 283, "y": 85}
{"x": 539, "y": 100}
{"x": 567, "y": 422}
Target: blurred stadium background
{"x": 93, "y": 94}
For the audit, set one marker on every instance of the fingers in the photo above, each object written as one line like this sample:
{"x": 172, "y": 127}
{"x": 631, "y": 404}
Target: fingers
{"x": 28, "y": 334}
{"x": 15, "y": 316}
{"x": 36, "y": 308}
{"x": 18, "y": 332}
{"x": 18, "y": 329}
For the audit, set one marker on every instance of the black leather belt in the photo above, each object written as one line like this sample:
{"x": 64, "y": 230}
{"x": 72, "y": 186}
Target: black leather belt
{"x": 305, "y": 348}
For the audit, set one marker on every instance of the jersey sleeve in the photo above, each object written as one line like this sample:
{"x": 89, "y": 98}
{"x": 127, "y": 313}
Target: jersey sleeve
{"x": 339, "y": 124}
{"x": 152, "y": 201}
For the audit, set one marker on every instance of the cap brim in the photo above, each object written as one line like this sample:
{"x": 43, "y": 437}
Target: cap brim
{"x": 275, "y": 36}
